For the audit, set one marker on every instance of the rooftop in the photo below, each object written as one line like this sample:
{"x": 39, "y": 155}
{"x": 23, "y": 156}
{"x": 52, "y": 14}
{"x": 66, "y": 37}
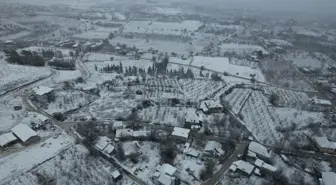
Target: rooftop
{"x": 210, "y": 104}
{"x": 321, "y": 101}
{"x": 23, "y": 132}
{"x": 182, "y": 132}
{"x": 243, "y": 166}
{"x": 323, "y": 142}
{"x": 259, "y": 149}
{"x": 192, "y": 116}
{"x": 6, "y": 138}
{"x": 102, "y": 142}
{"x": 214, "y": 146}
{"x": 42, "y": 90}
{"x": 116, "y": 174}
{"x": 329, "y": 178}
{"x": 109, "y": 149}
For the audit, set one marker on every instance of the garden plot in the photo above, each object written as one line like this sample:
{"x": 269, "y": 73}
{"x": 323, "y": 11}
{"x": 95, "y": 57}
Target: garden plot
{"x": 162, "y": 28}
{"x": 222, "y": 64}
{"x": 73, "y": 166}
{"x": 237, "y": 98}
{"x": 112, "y": 105}
{"x": 304, "y": 60}
{"x": 241, "y": 49}
{"x": 148, "y": 160}
{"x": 162, "y": 88}
{"x": 299, "y": 119}
{"x": 12, "y": 76}
{"x": 70, "y": 100}
{"x": 164, "y": 115}
{"x": 198, "y": 89}
{"x": 15, "y": 164}
{"x": 261, "y": 119}
{"x": 288, "y": 98}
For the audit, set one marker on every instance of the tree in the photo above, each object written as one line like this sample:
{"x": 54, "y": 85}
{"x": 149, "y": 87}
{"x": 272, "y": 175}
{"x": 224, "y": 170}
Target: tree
{"x": 59, "y": 116}
{"x": 215, "y": 77}
{"x": 207, "y": 172}
{"x": 274, "y": 98}
{"x": 120, "y": 152}
{"x": 168, "y": 151}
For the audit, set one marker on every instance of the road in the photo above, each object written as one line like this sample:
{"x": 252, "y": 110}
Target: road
{"x": 217, "y": 177}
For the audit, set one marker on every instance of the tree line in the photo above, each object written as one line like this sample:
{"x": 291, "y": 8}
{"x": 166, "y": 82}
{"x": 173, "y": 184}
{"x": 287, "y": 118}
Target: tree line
{"x": 24, "y": 58}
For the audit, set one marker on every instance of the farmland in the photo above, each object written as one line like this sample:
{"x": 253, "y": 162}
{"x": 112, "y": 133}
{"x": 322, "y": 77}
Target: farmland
{"x": 162, "y": 88}
{"x": 198, "y": 89}
{"x": 237, "y": 98}
{"x": 174, "y": 116}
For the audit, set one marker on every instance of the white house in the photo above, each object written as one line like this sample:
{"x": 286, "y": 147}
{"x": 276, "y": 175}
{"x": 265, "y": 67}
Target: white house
{"x": 213, "y": 148}
{"x": 181, "y": 134}
{"x": 243, "y": 167}
{"x": 192, "y": 117}
{"x": 321, "y": 102}
{"x": 118, "y": 125}
{"x": 164, "y": 175}
{"x": 103, "y": 143}
{"x": 328, "y": 178}
{"x": 263, "y": 165}
{"x": 120, "y": 133}
{"x": 116, "y": 176}
{"x": 7, "y": 139}
{"x": 325, "y": 145}
{"x": 41, "y": 93}
{"x": 259, "y": 150}
{"x": 25, "y": 134}
{"x": 211, "y": 106}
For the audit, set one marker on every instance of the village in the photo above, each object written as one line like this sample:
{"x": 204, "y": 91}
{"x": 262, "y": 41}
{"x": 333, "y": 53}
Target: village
{"x": 120, "y": 98}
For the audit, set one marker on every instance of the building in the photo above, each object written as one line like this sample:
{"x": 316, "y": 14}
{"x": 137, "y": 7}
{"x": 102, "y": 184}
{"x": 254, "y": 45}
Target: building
{"x": 7, "y": 139}
{"x": 118, "y": 125}
{"x": 181, "y": 134}
{"x": 213, "y": 148}
{"x": 25, "y": 134}
{"x": 103, "y": 143}
{"x": 242, "y": 167}
{"x": 321, "y": 102}
{"x": 38, "y": 121}
{"x": 324, "y": 145}
{"x": 164, "y": 175}
{"x": 211, "y": 106}
{"x": 257, "y": 150}
{"x": 328, "y": 178}
{"x": 191, "y": 152}
{"x": 264, "y": 166}
{"x": 129, "y": 133}
{"x": 192, "y": 118}
{"x": 116, "y": 176}
{"x": 41, "y": 93}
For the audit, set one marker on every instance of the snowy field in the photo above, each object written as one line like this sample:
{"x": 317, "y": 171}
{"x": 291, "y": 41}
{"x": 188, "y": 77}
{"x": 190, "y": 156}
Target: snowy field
{"x": 288, "y": 98}
{"x": 280, "y": 42}
{"x": 15, "y": 164}
{"x": 64, "y": 75}
{"x": 9, "y": 117}
{"x": 69, "y": 100}
{"x": 74, "y": 166}
{"x": 242, "y": 49}
{"x": 14, "y": 36}
{"x": 174, "y": 116}
{"x": 97, "y": 33}
{"x": 304, "y": 59}
{"x": 12, "y": 76}
{"x": 222, "y": 64}
{"x": 165, "y": 11}
{"x": 162, "y": 88}
{"x": 161, "y": 28}
{"x": 198, "y": 89}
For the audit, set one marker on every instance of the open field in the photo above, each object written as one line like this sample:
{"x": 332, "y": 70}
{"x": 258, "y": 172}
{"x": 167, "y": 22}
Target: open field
{"x": 237, "y": 98}
{"x": 241, "y": 49}
{"x": 198, "y": 89}
{"x": 174, "y": 116}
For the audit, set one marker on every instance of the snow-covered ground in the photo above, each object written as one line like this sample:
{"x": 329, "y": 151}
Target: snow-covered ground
{"x": 12, "y": 76}
{"x": 164, "y": 115}
{"x": 280, "y": 42}
{"x": 64, "y": 75}
{"x": 97, "y": 33}
{"x": 15, "y": 164}
{"x": 198, "y": 89}
{"x": 242, "y": 49}
{"x": 222, "y": 64}
{"x": 304, "y": 59}
{"x": 8, "y": 116}
{"x": 237, "y": 98}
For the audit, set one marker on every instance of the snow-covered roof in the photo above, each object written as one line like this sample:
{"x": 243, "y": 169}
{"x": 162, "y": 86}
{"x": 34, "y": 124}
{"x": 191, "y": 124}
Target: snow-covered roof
{"x": 165, "y": 179}
{"x": 251, "y": 154}
{"x": 181, "y": 132}
{"x": 167, "y": 169}
{"x": 323, "y": 142}
{"x": 102, "y": 142}
{"x": 258, "y": 162}
{"x": 41, "y": 117}
{"x": 123, "y": 133}
{"x": 23, "y": 132}
{"x": 321, "y": 102}
{"x": 192, "y": 152}
{"x": 109, "y": 149}
{"x": 259, "y": 149}
{"x": 140, "y": 133}
{"x": 333, "y": 90}
{"x": 261, "y": 164}
{"x": 42, "y": 90}
{"x": 6, "y": 138}
{"x": 210, "y": 104}
{"x": 214, "y": 146}
{"x": 329, "y": 178}
{"x": 118, "y": 124}
{"x": 115, "y": 174}
{"x": 192, "y": 116}
{"x": 243, "y": 166}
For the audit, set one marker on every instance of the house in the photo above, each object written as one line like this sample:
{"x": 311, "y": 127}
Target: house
{"x": 192, "y": 118}
{"x": 242, "y": 167}
{"x": 321, "y": 102}
{"x": 211, "y": 106}
{"x": 181, "y": 134}
{"x": 38, "y": 121}
{"x": 25, "y": 134}
{"x": 213, "y": 148}
{"x": 264, "y": 166}
{"x": 7, "y": 139}
{"x": 17, "y": 105}
{"x": 122, "y": 133}
{"x": 42, "y": 92}
{"x": 116, "y": 176}
{"x": 117, "y": 125}
{"x": 131, "y": 148}
{"x": 191, "y": 152}
{"x": 103, "y": 143}
{"x": 164, "y": 175}
{"x": 258, "y": 151}
{"x": 324, "y": 145}
{"x": 328, "y": 178}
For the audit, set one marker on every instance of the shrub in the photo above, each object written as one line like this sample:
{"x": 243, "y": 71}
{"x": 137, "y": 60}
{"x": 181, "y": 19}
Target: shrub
{"x": 59, "y": 116}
